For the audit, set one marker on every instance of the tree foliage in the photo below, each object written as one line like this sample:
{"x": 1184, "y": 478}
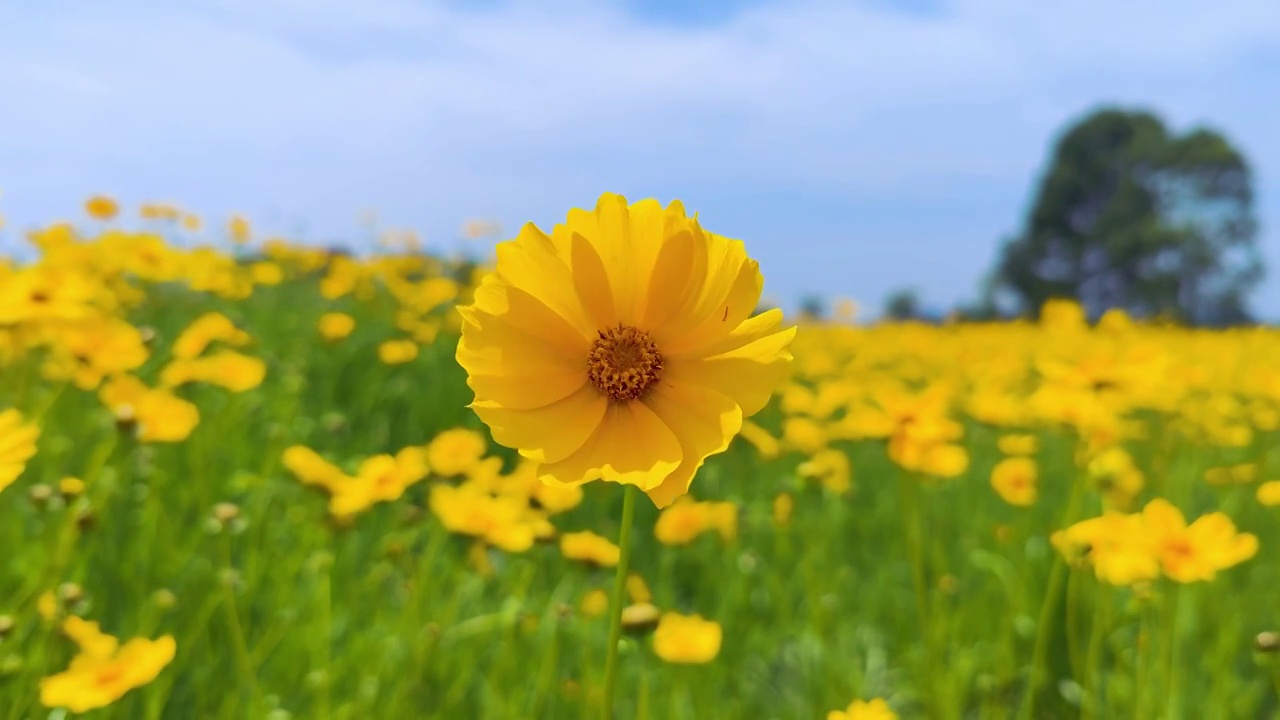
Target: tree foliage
{"x": 1130, "y": 215}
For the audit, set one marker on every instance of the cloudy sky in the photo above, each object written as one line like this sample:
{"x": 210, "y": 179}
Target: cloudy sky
{"x": 857, "y": 146}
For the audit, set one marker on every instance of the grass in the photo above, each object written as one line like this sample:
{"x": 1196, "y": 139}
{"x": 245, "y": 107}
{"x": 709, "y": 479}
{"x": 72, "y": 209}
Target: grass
{"x": 933, "y": 594}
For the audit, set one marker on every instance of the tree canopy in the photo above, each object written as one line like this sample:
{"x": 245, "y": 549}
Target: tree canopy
{"x": 1130, "y": 215}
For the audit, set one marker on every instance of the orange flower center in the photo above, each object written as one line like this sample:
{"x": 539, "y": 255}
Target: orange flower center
{"x": 624, "y": 363}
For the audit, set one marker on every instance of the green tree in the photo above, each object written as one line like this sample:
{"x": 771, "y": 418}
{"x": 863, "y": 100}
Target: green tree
{"x": 1132, "y": 216}
{"x": 902, "y": 304}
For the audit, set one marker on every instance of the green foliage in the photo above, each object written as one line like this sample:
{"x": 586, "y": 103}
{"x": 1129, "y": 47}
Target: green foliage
{"x": 1130, "y": 215}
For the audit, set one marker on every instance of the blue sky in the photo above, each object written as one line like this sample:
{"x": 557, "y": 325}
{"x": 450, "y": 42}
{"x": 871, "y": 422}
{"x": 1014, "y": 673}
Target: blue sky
{"x": 856, "y": 146}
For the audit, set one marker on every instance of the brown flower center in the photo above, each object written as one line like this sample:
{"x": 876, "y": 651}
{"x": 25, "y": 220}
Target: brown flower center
{"x": 624, "y": 363}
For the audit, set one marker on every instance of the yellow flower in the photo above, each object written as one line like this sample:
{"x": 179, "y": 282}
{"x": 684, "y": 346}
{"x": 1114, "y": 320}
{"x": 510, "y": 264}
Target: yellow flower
{"x": 17, "y": 446}
{"x": 157, "y": 415}
{"x": 765, "y": 444}
{"x": 455, "y": 452}
{"x": 47, "y": 605}
{"x": 1269, "y": 493}
{"x": 803, "y": 434}
{"x": 101, "y": 207}
{"x": 783, "y": 506}
{"x": 594, "y": 603}
{"x": 638, "y": 589}
{"x": 103, "y": 671}
{"x": 831, "y": 468}
{"x": 876, "y": 709}
{"x": 71, "y": 486}
{"x": 336, "y": 326}
{"x": 504, "y": 521}
{"x": 266, "y": 273}
{"x": 397, "y": 352}
{"x": 238, "y": 229}
{"x": 621, "y": 346}
{"x": 1119, "y": 546}
{"x": 225, "y": 368}
{"x": 1196, "y": 552}
{"x": 1015, "y": 480}
{"x": 686, "y": 639}
{"x": 206, "y": 330}
{"x": 686, "y": 519}
{"x": 1018, "y": 444}
{"x": 589, "y": 547}
{"x": 382, "y": 478}
{"x": 312, "y": 469}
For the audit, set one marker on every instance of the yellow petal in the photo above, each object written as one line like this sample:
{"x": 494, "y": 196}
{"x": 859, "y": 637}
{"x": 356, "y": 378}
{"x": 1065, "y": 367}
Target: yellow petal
{"x": 514, "y": 369}
{"x": 519, "y": 309}
{"x": 531, "y": 263}
{"x": 592, "y": 283}
{"x": 721, "y": 312}
{"x": 631, "y": 446}
{"x": 550, "y": 433}
{"x": 703, "y": 420}
{"x": 747, "y": 374}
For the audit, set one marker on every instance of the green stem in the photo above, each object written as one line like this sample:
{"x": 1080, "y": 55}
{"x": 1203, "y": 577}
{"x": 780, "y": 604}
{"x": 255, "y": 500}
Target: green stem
{"x": 1172, "y": 710}
{"x": 616, "y": 602}
{"x": 1101, "y": 623}
{"x": 911, "y": 533}
{"x": 1057, "y": 576}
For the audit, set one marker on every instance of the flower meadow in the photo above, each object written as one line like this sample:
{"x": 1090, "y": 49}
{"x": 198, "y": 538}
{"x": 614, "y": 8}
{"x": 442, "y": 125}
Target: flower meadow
{"x": 591, "y": 476}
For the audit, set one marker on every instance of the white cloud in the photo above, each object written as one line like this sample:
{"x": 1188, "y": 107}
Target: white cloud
{"x": 436, "y": 113}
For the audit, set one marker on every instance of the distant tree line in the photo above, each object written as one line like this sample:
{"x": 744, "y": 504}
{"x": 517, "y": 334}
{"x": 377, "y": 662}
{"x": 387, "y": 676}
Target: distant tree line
{"x": 1129, "y": 215}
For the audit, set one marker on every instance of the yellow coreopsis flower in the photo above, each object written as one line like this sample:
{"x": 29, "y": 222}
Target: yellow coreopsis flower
{"x": 17, "y": 445}
{"x": 876, "y": 709}
{"x": 455, "y": 452}
{"x": 621, "y": 346}
{"x": 336, "y": 326}
{"x": 1195, "y": 552}
{"x": 104, "y": 670}
{"x": 101, "y": 207}
{"x": 1015, "y": 480}
{"x": 206, "y": 330}
{"x": 157, "y": 415}
{"x": 397, "y": 352}
{"x": 590, "y": 548}
{"x": 831, "y": 468}
{"x": 1269, "y": 493}
{"x": 686, "y": 639}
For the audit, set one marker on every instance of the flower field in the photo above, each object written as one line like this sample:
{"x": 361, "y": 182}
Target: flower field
{"x": 247, "y": 478}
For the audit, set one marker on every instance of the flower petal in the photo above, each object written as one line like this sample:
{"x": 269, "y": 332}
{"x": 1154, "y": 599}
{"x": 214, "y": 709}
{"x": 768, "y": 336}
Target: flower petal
{"x": 704, "y": 421}
{"x": 631, "y": 446}
{"x": 748, "y": 374}
{"x": 515, "y": 370}
{"x": 550, "y": 433}
{"x": 532, "y": 263}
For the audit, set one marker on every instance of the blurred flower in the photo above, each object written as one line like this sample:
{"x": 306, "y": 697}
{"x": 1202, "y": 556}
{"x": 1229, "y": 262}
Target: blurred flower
{"x": 397, "y": 352}
{"x": 336, "y": 326}
{"x": 103, "y": 671}
{"x": 829, "y": 467}
{"x": 686, "y": 639}
{"x": 783, "y": 505}
{"x": 1269, "y": 493}
{"x": 1019, "y": 444}
{"x": 1196, "y": 552}
{"x": 594, "y": 603}
{"x": 1015, "y": 480}
{"x": 157, "y": 415}
{"x": 101, "y": 207}
{"x": 455, "y": 452}
{"x": 876, "y": 709}
{"x": 590, "y": 548}
{"x": 17, "y": 445}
